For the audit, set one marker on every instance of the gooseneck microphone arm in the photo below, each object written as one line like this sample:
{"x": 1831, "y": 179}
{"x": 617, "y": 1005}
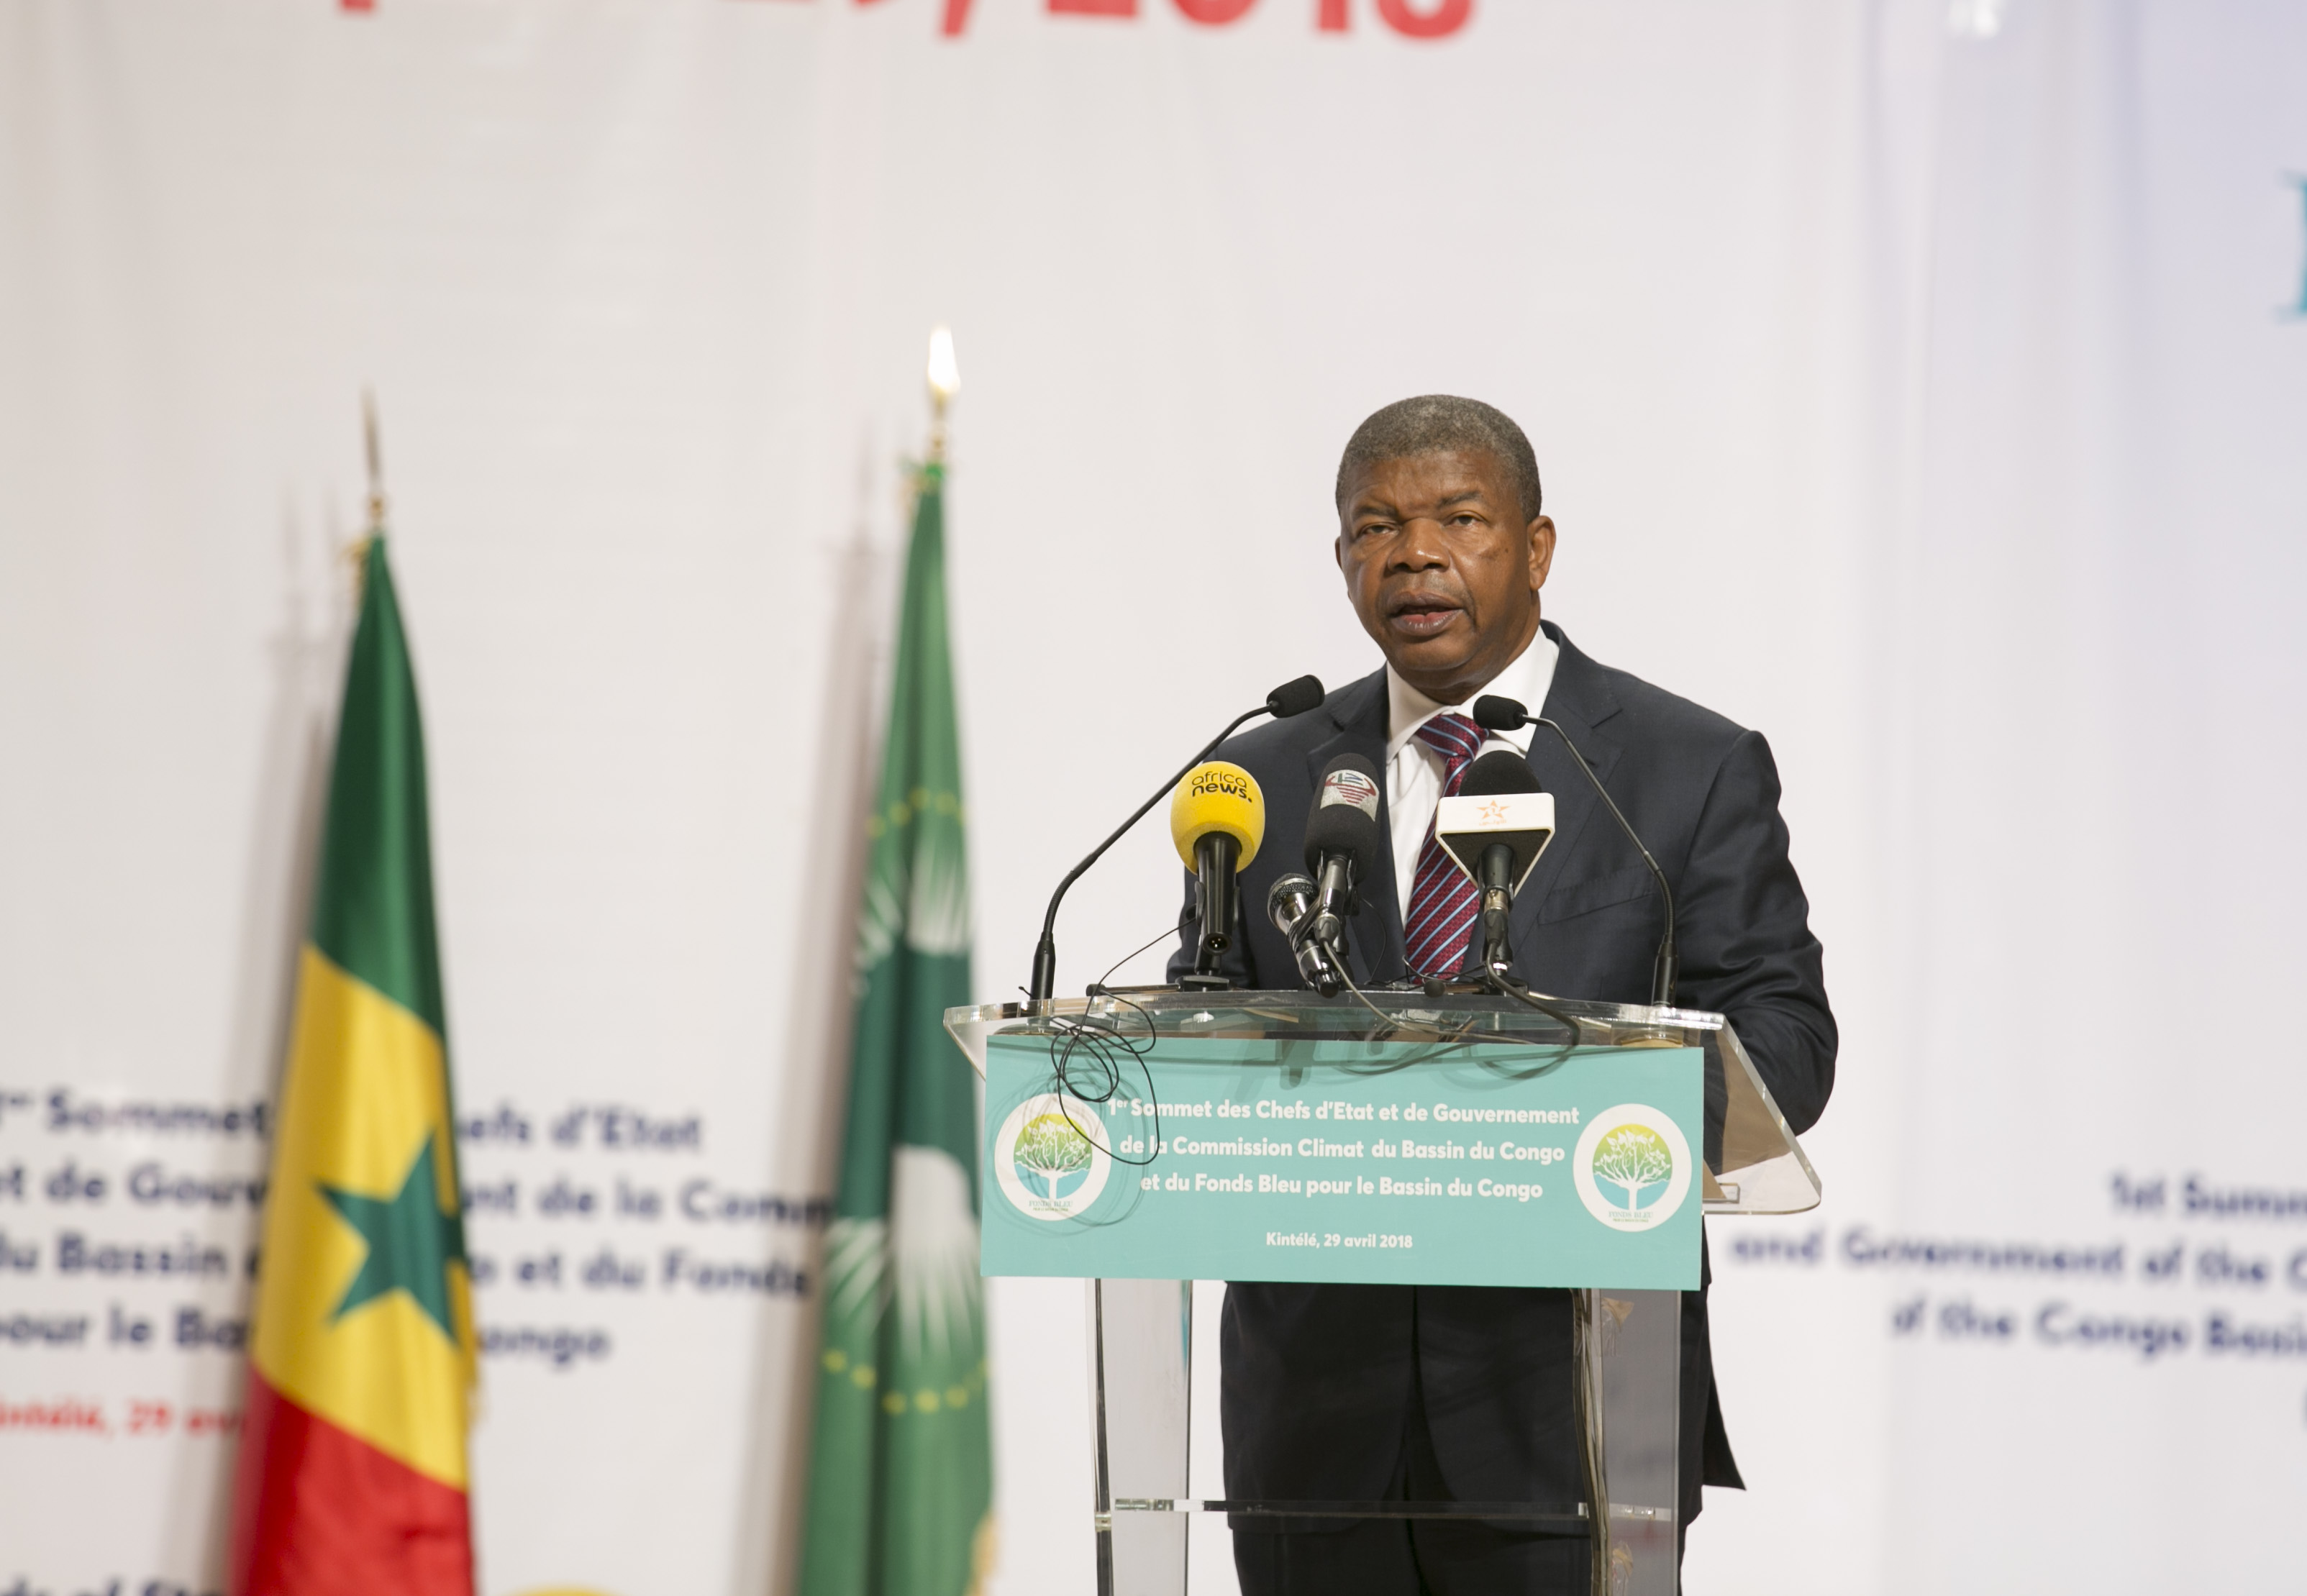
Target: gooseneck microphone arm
{"x": 1497, "y": 714}
{"x": 1045, "y": 952}
{"x": 1667, "y": 965}
{"x": 1291, "y": 698}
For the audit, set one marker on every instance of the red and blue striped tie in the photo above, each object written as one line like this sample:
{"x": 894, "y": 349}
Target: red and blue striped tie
{"x": 1443, "y": 903}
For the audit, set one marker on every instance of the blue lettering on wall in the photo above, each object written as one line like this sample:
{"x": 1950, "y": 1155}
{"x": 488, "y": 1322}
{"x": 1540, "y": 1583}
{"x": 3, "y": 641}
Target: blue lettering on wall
{"x": 2061, "y": 1323}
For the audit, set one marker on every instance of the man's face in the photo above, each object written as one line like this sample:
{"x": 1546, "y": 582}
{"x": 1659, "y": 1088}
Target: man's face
{"x": 1442, "y": 569}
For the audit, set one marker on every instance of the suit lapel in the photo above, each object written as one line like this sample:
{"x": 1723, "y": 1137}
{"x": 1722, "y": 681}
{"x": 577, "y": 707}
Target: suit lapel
{"x": 1580, "y": 702}
{"x": 1373, "y": 936}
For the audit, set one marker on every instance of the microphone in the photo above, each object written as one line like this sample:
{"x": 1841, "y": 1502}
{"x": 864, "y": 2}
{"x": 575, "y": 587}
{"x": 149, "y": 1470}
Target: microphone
{"x": 1291, "y": 698}
{"x": 1341, "y": 845}
{"x": 1495, "y": 714}
{"x": 1494, "y": 828}
{"x": 1217, "y": 819}
{"x": 1290, "y": 905}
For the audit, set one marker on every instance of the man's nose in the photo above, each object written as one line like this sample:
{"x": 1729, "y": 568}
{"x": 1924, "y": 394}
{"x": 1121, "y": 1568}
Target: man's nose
{"x": 1420, "y": 547}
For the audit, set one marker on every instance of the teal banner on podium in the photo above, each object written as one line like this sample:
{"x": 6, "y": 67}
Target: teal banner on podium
{"x": 1401, "y": 1161}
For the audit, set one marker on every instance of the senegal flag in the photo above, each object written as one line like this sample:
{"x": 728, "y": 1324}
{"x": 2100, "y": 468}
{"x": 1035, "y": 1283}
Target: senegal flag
{"x": 901, "y": 1472}
{"x": 351, "y": 1479}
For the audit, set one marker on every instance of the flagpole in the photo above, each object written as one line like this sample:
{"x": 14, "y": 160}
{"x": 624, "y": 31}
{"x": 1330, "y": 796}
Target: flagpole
{"x": 375, "y": 462}
{"x": 368, "y": 1380}
{"x": 900, "y": 1463}
{"x": 356, "y": 550}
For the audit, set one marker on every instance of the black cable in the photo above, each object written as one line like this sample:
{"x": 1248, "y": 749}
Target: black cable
{"x": 1504, "y": 981}
{"x": 1102, "y": 1049}
{"x": 1345, "y": 975}
{"x": 1392, "y": 1025}
{"x": 1098, "y": 988}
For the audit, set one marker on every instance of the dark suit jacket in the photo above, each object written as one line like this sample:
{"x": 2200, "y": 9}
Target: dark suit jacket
{"x": 1319, "y": 1382}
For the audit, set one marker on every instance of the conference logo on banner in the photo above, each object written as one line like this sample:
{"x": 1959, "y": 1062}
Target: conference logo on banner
{"x": 1046, "y": 1167}
{"x": 1632, "y": 1167}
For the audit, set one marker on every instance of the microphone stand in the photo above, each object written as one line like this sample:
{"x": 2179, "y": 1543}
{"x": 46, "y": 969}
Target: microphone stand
{"x": 1498, "y": 977}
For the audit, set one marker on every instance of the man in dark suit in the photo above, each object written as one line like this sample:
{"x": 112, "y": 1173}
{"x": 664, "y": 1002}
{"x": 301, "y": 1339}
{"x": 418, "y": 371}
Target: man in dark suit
{"x": 1345, "y": 1392}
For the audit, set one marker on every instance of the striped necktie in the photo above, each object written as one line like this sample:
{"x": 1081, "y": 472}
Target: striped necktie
{"x": 1443, "y": 903}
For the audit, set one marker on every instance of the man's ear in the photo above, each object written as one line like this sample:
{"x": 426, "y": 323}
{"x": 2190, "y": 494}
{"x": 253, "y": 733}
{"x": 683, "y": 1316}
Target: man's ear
{"x": 1541, "y": 551}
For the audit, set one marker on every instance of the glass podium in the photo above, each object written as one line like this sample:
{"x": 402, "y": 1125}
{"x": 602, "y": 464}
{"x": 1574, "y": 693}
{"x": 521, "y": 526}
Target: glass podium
{"x": 1593, "y": 1465}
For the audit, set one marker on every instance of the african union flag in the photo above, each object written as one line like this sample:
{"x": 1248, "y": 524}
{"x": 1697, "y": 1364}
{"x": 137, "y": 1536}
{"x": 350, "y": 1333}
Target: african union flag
{"x": 901, "y": 1469}
{"x": 351, "y": 1479}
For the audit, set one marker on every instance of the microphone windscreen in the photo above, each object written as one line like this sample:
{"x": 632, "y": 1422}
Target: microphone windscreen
{"x": 1500, "y": 770}
{"x": 1218, "y": 797}
{"x": 1295, "y": 698}
{"x": 1289, "y": 901}
{"x": 1344, "y": 819}
{"x": 1493, "y": 713}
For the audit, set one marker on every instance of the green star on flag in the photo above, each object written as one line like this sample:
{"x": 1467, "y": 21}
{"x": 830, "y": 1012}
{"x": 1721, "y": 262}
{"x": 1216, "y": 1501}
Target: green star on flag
{"x": 411, "y": 1241}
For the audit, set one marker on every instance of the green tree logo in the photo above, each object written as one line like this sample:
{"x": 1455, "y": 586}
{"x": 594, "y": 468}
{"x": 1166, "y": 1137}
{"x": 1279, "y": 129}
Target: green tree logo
{"x": 1634, "y": 1158}
{"x": 1051, "y": 1151}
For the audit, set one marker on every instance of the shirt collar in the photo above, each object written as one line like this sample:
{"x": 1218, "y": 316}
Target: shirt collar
{"x": 1527, "y": 678}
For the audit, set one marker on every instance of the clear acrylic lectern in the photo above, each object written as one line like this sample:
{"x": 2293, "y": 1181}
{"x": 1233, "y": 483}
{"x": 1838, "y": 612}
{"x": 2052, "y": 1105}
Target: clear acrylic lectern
{"x": 1626, "y": 1363}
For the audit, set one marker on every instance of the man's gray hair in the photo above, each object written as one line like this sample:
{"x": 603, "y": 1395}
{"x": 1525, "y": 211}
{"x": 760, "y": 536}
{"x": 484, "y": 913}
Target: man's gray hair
{"x": 1437, "y": 424}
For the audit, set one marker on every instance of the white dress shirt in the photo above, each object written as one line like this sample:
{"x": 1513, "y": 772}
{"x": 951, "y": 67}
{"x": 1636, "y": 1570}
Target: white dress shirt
{"x": 1413, "y": 771}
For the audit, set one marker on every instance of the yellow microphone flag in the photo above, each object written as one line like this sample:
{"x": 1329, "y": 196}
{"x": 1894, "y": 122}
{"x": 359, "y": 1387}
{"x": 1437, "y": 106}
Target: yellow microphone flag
{"x": 1218, "y": 797}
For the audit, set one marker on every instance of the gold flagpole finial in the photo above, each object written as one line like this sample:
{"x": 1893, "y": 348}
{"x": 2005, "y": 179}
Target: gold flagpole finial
{"x": 375, "y": 462}
{"x": 945, "y": 382}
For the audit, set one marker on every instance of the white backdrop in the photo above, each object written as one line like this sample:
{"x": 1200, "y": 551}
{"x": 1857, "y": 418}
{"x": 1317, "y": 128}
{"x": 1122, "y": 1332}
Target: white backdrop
{"x": 1923, "y": 385}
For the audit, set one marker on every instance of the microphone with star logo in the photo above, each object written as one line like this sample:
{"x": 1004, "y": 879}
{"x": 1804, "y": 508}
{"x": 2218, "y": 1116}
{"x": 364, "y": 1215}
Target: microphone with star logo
{"x": 1494, "y": 828}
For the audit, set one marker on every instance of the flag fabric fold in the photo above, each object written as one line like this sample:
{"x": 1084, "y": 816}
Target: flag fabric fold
{"x": 351, "y": 1479}
{"x": 900, "y": 1483}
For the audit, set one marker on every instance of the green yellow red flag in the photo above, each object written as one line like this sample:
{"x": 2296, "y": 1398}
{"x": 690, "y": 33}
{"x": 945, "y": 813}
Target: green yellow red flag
{"x": 351, "y": 1479}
